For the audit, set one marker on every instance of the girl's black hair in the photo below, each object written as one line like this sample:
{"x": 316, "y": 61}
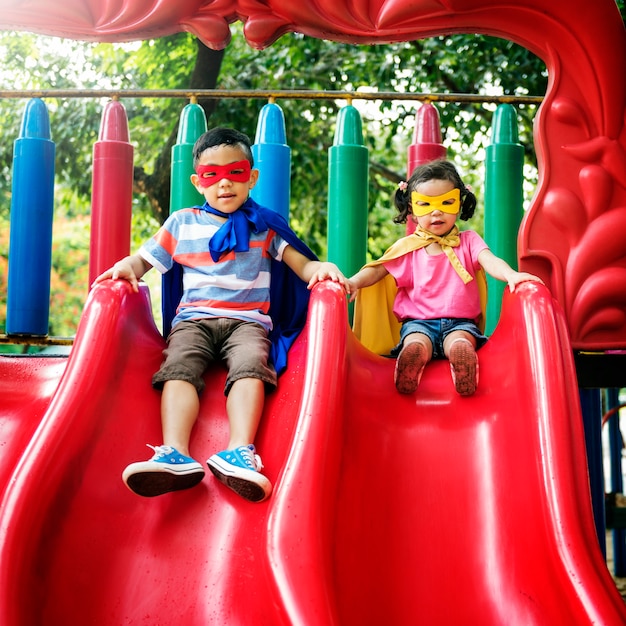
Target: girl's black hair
{"x": 222, "y": 137}
{"x": 434, "y": 170}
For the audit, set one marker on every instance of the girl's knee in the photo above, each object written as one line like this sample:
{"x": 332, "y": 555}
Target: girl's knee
{"x": 422, "y": 339}
{"x": 458, "y": 335}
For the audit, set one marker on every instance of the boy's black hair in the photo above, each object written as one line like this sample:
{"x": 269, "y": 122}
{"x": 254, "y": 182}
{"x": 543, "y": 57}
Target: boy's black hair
{"x": 222, "y": 137}
{"x": 434, "y": 170}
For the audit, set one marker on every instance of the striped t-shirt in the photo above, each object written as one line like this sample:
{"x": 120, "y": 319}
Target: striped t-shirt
{"x": 236, "y": 286}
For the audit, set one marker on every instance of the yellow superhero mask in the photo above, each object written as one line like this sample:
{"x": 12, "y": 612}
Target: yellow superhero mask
{"x": 449, "y": 202}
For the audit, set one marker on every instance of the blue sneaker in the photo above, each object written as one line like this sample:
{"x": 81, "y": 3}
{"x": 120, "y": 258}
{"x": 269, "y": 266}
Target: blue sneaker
{"x": 240, "y": 469}
{"x": 168, "y": 470}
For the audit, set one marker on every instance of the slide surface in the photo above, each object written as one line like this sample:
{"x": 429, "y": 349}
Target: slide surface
{"x": 387, "y": 509}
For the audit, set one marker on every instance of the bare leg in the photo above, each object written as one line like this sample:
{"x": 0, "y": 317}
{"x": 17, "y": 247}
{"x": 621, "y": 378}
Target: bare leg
{"x": 180, "y": 406}
{"x": 460, "y": 348}
{"x": 168, "y": 470}
{"x": 417, "y": 350}
{"x": 239, "y": 467}
{"x": 244, "y": 406}
{"x": 179, "y": 410}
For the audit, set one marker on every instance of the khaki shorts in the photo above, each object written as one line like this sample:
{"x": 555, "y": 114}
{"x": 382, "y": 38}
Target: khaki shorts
{"x": 193, "y": 345}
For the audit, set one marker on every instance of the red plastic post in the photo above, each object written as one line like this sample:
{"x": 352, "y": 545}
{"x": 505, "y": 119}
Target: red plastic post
{"x": 112, "y": 191}
{"x": 427, "y": 144}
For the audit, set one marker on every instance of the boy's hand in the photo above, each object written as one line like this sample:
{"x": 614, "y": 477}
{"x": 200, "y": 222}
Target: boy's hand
{"x": 121, "y": 270}
{"x": 328, "y": 271}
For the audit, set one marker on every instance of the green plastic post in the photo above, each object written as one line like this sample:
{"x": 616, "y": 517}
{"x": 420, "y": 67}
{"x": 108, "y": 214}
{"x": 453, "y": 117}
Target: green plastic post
{"x": 191, "y": 125}
{"x": 183, "y": 194}
{"x": 504, "y": 198}
{"x": 348, "y": 179}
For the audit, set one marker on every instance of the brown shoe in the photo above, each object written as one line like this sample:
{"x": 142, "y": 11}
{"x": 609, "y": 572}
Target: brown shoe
{"x": 410, "y": 367}
{"x": 464, "y": 367}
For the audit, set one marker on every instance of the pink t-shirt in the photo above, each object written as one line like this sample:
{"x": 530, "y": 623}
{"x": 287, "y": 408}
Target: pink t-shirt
{"x": 430, "y": 288}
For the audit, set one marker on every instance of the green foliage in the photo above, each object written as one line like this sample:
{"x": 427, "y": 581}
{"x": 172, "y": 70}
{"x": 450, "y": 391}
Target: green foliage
{"x": 4, "y": 265}
{"x": 464, "y": 64}
{"x": 70, "y": 272}
{"x": 450, "y": 64}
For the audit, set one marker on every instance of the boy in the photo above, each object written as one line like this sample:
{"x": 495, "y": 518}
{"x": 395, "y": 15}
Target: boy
{"x": 226, "y": 249}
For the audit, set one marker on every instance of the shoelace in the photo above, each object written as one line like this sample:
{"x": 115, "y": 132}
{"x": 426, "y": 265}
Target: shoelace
{"x": 160, "y": 451}
{"x": 251, "y": 459}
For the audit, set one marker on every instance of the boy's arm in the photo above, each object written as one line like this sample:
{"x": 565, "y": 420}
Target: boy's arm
{"x": 501, "y": 270}
{"x": 130, "y": 268}
{"x": 311, "y": 271}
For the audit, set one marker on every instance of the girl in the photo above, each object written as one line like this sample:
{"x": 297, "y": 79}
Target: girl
{"x": 435, "y": 274}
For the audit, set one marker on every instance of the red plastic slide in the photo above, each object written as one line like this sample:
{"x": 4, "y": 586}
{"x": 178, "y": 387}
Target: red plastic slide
{"x": 387, "y": 509}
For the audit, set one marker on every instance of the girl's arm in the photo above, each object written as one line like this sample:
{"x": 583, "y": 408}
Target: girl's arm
{"x": 500, "y": 269}
{"x": 366, "y": 277}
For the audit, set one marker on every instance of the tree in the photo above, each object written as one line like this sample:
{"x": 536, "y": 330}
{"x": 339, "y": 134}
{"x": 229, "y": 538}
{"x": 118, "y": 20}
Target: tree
{"x": 459, "y": 64}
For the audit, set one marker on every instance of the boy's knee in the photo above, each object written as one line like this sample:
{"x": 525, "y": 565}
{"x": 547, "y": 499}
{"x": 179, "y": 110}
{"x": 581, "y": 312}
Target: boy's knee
{"x": 177, "y": 373}
{"x": 268, "y": 379}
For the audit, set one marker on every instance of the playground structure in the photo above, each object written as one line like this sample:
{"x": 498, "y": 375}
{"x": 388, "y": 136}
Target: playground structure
{"x": 343, "y": 541}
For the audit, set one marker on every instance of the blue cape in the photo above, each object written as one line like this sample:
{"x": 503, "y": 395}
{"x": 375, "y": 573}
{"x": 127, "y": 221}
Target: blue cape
{"x": 289, "y": 296}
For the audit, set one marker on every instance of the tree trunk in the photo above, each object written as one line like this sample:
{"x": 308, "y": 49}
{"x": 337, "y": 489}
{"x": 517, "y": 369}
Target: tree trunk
{"x": 156, "y": 186}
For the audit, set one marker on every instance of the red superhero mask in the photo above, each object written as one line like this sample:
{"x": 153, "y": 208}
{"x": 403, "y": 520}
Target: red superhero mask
{"x": 238, "y": 172}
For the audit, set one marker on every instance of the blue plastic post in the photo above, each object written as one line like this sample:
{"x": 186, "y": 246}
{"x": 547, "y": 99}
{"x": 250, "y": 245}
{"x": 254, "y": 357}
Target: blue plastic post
{"x": 30, "y": 242}
{"x": 272, "y": 157}
{"x": 590, "y": 402}
{"x": 616, "y": 443}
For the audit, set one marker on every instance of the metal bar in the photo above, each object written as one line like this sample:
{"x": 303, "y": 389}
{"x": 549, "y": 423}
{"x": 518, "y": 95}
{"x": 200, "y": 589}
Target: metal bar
{"x": 296, "y": 94}
{"x": 36, "y": 340}
{"x": 271, "y": 95}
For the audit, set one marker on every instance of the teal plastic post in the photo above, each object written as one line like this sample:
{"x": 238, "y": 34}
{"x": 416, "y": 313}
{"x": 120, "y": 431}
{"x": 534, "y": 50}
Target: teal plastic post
{"x": 30, "y": 241}
{"x": 272, "y": 157}
{"x": 348, "y": 179}
{"x": 504, "y": 198}
{"x": 191, "y": 125}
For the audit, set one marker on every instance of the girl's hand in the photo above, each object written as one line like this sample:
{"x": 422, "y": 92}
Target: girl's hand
{"x": 520, "y": 277}
{"x": 352, "y": 290}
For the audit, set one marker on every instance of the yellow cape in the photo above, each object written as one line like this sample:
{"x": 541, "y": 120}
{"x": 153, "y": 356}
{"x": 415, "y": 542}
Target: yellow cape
{"x": 375, "y": 324}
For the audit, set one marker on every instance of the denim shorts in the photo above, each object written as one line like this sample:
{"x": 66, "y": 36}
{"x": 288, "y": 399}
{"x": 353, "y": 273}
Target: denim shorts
{"x": 194, "y": 344}
{"x": 437, "y": 331}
